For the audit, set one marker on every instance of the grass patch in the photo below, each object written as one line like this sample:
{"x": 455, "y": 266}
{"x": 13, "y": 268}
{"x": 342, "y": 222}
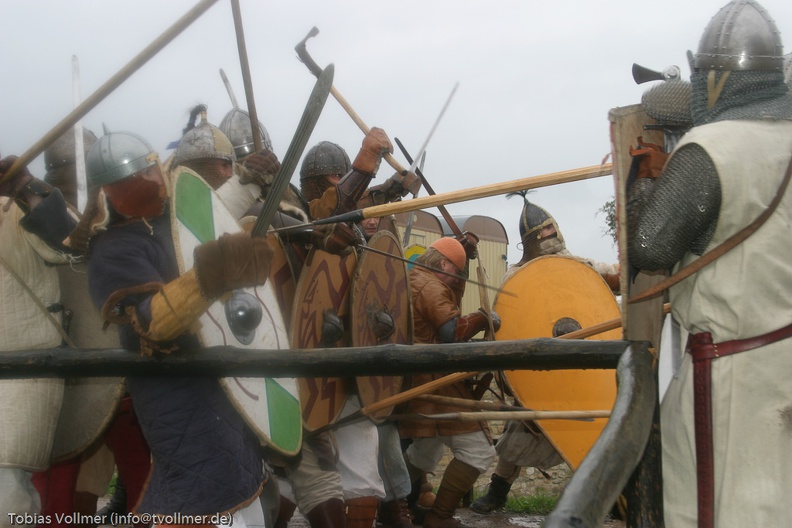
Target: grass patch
{"x": 540, "y": 503}
{"x": 112, "y": 485}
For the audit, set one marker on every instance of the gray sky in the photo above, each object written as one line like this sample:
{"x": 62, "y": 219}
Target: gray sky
{"x": 536, "y": 81}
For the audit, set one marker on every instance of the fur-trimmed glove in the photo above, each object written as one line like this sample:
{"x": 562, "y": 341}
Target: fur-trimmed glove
{"x": 260, "y": 168}
{"x": 231, "y": 262}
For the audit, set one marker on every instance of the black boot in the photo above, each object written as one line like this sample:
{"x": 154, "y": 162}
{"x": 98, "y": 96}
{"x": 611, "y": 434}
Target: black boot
{"x": 495, "y": 497}
{"x": 117, "y": 503}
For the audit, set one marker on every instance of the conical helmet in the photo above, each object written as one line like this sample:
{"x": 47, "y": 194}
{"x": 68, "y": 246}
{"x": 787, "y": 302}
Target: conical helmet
{"x": 740, "y": 37}
{"x": 204, "y": 141}
{"x": 62, "y": 152}
{"x": 116, "y": 156}
{"x": 236, "y": 126}
{"x": 325, "y": 158}
{"x": 533, "y": 220}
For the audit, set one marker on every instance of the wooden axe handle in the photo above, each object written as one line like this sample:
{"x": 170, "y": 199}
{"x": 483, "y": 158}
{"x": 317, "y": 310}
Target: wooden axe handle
{"x": 305, "y": 58}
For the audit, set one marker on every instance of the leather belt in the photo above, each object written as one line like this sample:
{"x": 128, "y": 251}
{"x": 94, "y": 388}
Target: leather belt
{"x": 703, "y": 351}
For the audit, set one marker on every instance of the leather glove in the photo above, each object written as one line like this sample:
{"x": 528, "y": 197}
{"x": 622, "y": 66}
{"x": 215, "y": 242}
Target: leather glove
{"x": 651, "y": 159}
{"x": 496, "y": 320}
{"x": 338, "y": 239}
{"x": 469, "y": 242}
{"x": 231, "y": 262}
{"x": 260, "y": 168}
{"x": 393, "y": 189}
{"x": 409, "y": 181}
{"x": 375, "y": 145}
{"x": 13, "y": 186}
{"x": 469, "y": 325}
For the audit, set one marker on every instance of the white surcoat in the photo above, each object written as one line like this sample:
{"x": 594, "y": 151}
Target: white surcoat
{"x": 745, "y": 293}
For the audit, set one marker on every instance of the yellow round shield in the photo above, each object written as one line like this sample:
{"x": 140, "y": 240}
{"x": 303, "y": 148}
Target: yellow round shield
{"x": 556, "y": 295}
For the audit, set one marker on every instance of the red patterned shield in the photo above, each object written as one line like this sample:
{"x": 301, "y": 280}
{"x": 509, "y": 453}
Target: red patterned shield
{"x": 380, "y": 312}
{"x": 321, "y": 296}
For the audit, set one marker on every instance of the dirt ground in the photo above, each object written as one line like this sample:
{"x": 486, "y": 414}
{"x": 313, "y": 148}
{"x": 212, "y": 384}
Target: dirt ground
{"x": 468, "y": 517}
{"x": 472, "y": 519}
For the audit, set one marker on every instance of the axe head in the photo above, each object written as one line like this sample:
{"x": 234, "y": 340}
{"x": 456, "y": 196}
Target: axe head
{"x": 302, "y": 53}
{"x": 642, "y": 74}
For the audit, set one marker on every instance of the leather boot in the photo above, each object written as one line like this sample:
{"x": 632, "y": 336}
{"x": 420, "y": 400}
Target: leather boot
{"x": 421, "y": 494}
{"x": 361, "y": 512}
{"x": 395, "y": 514}
{"x": 426, "y": 496}
{"x": 285, "y": 512}
{"x": 495, "y": 498}
{"x": 328, "y": 514}
{"x": 457, "y": 479}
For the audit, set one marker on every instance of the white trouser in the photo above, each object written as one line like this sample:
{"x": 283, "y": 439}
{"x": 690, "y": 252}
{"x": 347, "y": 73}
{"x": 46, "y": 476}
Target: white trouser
{"x": 358, "y": 453}
{"x": 18, "y": 496}
{"x": 474, "y": 449}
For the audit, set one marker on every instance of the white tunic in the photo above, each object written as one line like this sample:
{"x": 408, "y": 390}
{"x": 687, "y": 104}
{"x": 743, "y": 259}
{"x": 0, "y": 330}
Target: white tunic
{"x": 745, "y": 293}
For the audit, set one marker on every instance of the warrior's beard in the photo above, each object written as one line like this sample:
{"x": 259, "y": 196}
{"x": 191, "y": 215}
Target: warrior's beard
{"x": 550, "y": 246}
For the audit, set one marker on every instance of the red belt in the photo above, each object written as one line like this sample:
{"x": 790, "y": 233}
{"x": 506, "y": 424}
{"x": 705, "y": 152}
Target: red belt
{"x": 703, "y": 351}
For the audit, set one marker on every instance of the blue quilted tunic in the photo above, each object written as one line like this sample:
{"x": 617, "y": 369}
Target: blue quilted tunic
{"x": 205, "y": 459}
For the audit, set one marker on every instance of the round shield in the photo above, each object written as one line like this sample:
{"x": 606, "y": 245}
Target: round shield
{"x": 556, "y": 295}
{"x": 380, "y": 312}
{"x": 388, "y": 223}
{"x": 412, "y": 253}
{"x": 88, "y": 403}
{"x": 270, "y": 406}
{"x": 320, "y": 304}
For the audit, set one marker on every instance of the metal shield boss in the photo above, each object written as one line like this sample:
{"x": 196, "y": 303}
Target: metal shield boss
{"x": 284, "y": 268}
{"x": 557, "y": 295}
{"x": 321, "y": 303}
{"x": 270, "y": 406}
{"x": 380, "y": 312}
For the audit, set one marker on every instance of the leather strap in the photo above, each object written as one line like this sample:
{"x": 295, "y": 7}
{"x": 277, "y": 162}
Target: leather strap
{"x": 703, "y": 352}
{"x": 700, "y": 347}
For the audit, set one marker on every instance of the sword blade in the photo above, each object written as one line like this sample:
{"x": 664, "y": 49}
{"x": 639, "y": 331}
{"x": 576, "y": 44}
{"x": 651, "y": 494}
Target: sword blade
{"x": 313, "y": 110}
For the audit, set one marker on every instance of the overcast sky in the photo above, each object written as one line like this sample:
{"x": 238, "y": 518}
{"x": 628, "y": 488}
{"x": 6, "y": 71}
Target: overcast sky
{"x": 536, "y": 81}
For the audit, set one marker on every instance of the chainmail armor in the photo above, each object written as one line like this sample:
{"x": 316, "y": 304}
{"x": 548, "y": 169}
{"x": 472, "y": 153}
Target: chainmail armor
{"x": 747, "y": 95}
{"x": 668, "y": 103}
{"x": 679, "y": 211}
{"x": 314, "y": 188}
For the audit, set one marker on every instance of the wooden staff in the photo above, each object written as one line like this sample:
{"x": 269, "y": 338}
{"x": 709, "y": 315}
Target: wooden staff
{"x": 503, "y": 415}
{"x": 462, "y": 403}
{"x": 396, "y": 399}
{"x": 473, "y": 193}
{"x": 245, "y": 65}
{"x": 432, "y": 386}
{"x": 599, "y": 328}
{"x": 104, "y": 90}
